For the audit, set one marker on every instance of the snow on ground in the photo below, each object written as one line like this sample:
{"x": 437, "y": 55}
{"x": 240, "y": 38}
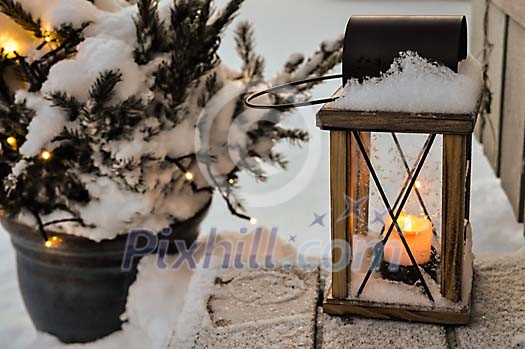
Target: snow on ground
{"x": 414, "y": 84}
{"x": 157, "y": 304}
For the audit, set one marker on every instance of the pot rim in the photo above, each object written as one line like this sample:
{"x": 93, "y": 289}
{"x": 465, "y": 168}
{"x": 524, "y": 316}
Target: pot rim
{"x": 32, "y": 239}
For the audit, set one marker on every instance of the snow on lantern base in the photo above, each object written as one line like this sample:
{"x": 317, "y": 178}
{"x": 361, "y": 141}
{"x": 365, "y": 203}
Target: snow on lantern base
{"x": 389, "y": 299}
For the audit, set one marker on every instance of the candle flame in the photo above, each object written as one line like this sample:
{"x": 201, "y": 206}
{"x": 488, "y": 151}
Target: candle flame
{"x": 407, "y": 223}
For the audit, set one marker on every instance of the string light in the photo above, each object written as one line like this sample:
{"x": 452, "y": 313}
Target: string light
{"x": 10, "y": 47}
{"x": 45, "y": 155}
{"x": 417, "y": 185}
{"x": 12, "y": 142}
{"x": 189, "y": 176}
{"x": 53, "y": 242}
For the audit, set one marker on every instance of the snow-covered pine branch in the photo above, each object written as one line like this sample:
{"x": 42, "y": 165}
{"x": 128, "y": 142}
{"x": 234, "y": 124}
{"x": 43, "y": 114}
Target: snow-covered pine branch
{"x": 102, "y": 139}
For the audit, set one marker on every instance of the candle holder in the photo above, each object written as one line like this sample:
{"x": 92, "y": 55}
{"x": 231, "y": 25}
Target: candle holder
{"x": 408, "y": 273}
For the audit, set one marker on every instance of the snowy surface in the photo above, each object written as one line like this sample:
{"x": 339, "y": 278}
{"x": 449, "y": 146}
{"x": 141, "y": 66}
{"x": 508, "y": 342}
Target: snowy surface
{"x": 372, "y": 334}
{"x": 498, "y": 303}
{"x": 414, "y": 84}
{"x": 494, "y": 226}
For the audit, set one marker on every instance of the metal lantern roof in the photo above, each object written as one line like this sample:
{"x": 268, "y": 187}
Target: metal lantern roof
{"x": 373, "y": 42}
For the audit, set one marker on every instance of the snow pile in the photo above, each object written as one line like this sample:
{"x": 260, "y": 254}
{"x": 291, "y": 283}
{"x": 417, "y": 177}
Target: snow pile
{"x": 56, "y": 12}
{"x": 94, "y": 56}
{"x": 47, "y": 123}
{"x": 414, "y": 84}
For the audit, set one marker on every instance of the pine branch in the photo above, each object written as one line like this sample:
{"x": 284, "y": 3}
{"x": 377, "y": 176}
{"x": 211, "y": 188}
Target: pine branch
{"x": 294, "y": 136}
{"x": 151, "y": 35}
{"x": 293, "y": 63}
{"x": 244, "y": 41}
{"x": 278, "y": 159}
{"x": 6, "y": 96}
{"x": 322, "y": 61}
{"x": 253, "y": 64}
{"x": 66, "y": 102}
{"x": 225, "y": 17}
{"x": 23, "y": 18}
{"x": 326, "y": 58}
{"x": 14, "y": 121}
{"x": 193, "y": 55}
{"x": 212, "y": 86}
{"x": 36, "y": 73}
{"x": 103, "y": 90}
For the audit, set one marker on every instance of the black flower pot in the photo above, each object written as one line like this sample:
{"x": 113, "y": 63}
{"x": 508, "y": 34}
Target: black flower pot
{"x": 76, "y": 290}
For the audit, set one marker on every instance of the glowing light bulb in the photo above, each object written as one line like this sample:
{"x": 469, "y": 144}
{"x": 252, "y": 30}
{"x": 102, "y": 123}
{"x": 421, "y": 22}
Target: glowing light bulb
{"x": 48, "y": 38}
{"x": 231, "y": 181}
{"x": 53, "y": 242}
{"x": 253, "y": 221}
{"x": 45, "y": 155}
{"x": 417, "y": 184}
{"x": 10, "y": 46}
{"x": 189, "y": 176}
{"x": 12, "y": 142}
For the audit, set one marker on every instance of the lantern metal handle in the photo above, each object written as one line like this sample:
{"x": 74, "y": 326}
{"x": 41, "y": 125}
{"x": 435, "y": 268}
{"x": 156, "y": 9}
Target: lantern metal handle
{"x": 249, "y": 100}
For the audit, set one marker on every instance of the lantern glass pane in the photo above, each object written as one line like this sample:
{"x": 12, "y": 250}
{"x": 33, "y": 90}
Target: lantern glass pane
{"x": 394, "y": 158}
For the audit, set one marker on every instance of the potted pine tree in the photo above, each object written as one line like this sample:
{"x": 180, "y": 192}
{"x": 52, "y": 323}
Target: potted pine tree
{"x": 99, "y": 108}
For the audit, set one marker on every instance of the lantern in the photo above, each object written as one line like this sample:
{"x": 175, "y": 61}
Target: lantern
{"x": 400, "y": 186}
{"x": 399, "y": 182}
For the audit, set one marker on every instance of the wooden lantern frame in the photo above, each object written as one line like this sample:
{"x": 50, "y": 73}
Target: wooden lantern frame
{"x": 349, "y": 160}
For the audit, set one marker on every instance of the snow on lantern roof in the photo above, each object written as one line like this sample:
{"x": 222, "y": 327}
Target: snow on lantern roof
{"x": 415, "y": 95}
{"x": 406, "y": 74}
{"x": 416, "y": 85}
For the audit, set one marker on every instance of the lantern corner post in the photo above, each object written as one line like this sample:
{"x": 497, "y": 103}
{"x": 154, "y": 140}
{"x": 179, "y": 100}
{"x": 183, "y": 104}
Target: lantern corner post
{"x": 455, "y": 192}
{"x": 340, "y": 232}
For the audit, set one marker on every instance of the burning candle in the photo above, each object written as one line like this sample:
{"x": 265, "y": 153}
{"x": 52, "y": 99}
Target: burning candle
{"x": 417, "y": 231}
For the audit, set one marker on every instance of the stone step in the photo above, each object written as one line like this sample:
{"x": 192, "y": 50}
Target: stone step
{"x": 261, "y": 309}
{"x": 280, "y": 309}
